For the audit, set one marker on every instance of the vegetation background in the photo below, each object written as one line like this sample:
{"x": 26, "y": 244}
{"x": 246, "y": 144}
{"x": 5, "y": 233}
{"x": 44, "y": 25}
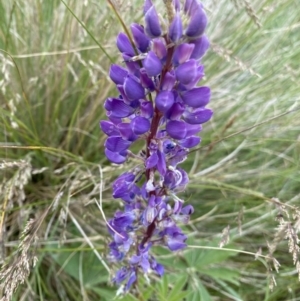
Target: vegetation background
{"x": 54, "y": 63}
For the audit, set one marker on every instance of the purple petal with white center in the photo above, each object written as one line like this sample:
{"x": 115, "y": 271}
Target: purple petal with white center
{"x": 162, "y": 213}
{"x": 168, "y": 146}
{"x": 119, "y": 109}
{"x": 197, "y": 24}
{"x": 177, "y": 206}
{"x": 109, "y": 128}
{"x": 152, "y": 25}
{"x": 175, "y": 29}
{"x": 151, "y": 161}
{"x": 178, "y": 157}
{"x": 161, "y": 164}
{"x": 149, "y": 215}
{"x": 140, "y": 39}
{"x": 164, "y": 100}
{"x": 172, "y": 179}
{"x": 197, "y": 97}
{"x": 146, "y": 82}
{"x": 133, "y": 88}
{"x": 159, "y": 48}
{"x": 184, "y": 177}
{"x": 176, "y": 129}
{"x": 186, "y": 72}
{"x": 140, "y": 125}
{"x": 117, "y": 74}
{"x": 190, "y": 142}
{"x": 115, "y": 157}
{"x": 175, "y": 111}
{"x": 124, "y": 45}
{"x": 126, "y": 131}
{"x": 188, "y": 210}
{"x": 146, "y": 109}
{"x": 198, "y": 116}
{"x": 116, "y": 144}
{"x": 152, "y": 64}
{"x": 201, "y": 46}
{"x": 182, "y": 53}
{"x": 168, "y": 81}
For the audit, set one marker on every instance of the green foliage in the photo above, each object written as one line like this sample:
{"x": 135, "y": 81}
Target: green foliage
{"x": 54, "y": 64}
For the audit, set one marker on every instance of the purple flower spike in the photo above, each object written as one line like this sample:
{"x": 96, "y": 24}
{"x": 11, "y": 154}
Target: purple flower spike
{"x": 196, "y": 98}
{"x": 201, "y": 46}
{"x": 133, "y": 88}
{"x": 153, "y": 28}
{"x": 160, "y": 104}
{"x": 175, "y": 30}
{"x": 186, "y": 72}
{"x": 140, "y": 125}
{"x": 198, "y": 116}
{"x": 164, "y": 101}
{"x": 176, "y": 129}
{"x": 140, "y": 39}
{"x": 124, "y": 44}
{"x": 152, "y": 64}
{"x": 197, "y": 23}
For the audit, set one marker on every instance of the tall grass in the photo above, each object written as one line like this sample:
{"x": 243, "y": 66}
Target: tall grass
{"x": 54, "y": 79}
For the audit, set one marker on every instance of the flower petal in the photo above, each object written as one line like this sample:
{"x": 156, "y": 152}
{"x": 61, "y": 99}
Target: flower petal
{"x": 197, "y": 97}
{"x": 176, "y": 129}
{"x": 198, "y": 116}
{"x": 116, "y": 144}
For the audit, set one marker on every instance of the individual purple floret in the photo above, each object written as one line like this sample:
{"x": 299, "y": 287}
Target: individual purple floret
{"x": 160, "y": 103}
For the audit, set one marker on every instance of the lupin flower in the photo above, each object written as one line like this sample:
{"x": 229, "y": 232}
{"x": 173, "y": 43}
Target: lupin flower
{"x": 160, "y": 103}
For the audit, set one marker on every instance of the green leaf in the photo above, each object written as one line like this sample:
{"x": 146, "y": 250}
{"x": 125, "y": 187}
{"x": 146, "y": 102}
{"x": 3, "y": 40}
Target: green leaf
{"x": 226, "y": 274}
{"x": 199, "y": 293}
{"x": 177, "y": 288}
